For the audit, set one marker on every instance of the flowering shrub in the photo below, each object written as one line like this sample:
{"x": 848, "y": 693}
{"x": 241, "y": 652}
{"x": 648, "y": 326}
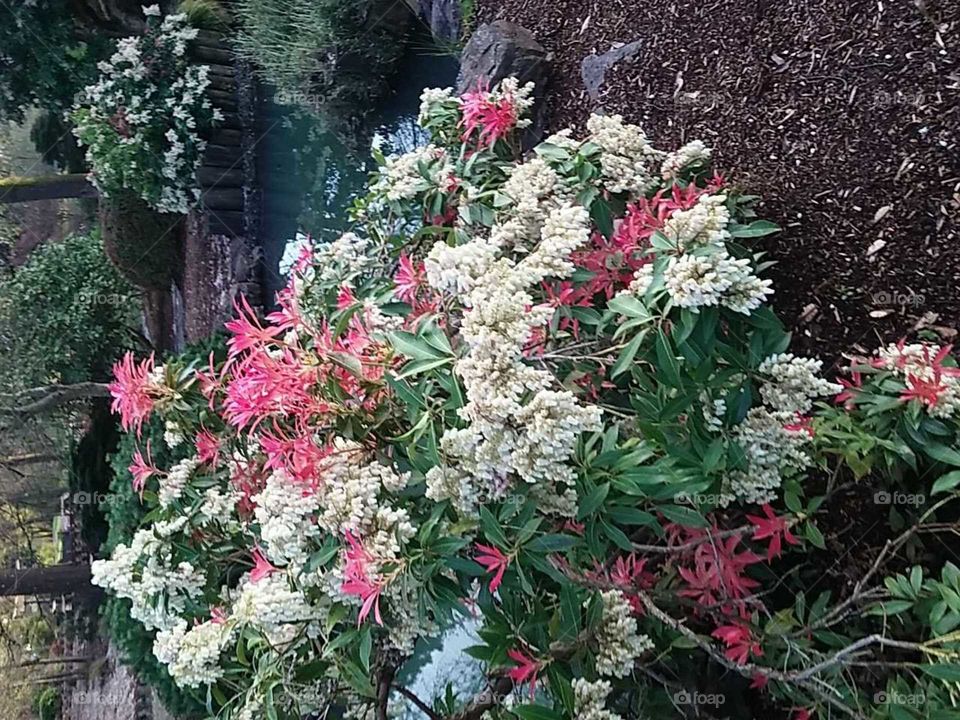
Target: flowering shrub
{"x": 141, "y": 122}
{"x": 545, "y": 393}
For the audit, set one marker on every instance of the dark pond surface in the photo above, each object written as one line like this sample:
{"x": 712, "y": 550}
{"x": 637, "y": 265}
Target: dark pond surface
{"x": 309, "y": 178}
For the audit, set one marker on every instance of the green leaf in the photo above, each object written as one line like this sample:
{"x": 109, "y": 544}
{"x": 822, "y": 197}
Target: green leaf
{"x": 813, "y": 534}
{"x": 891, "y": 607}
{"x": 943, "y": 671}
{"x": 366, "y": 646}
{"x": 592, "y": 502}
{"x": 625, "y": 359}
{"x": 667, "y": 363}
{"x": 944, "y": 454}
{"x": 537, "y": 712}
{"x": 688, "y": 517}
{"x": 552, "y": 543}
{"x": 492, "y": 529}
{"x": 758, "y": 228}
{"x": 946, "y": 482}
{"x": 413, "y": 347}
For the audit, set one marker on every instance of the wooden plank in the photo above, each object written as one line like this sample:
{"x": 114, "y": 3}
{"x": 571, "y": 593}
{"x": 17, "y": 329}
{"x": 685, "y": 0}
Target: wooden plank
{"x": 228, "y": 177}
{"x": 223, "y": 198}
{"x": 227, "y": 222}
{"x": 221, "y": 56}
{"x": 223, "y": 155}
{"x": 226, "y": 137}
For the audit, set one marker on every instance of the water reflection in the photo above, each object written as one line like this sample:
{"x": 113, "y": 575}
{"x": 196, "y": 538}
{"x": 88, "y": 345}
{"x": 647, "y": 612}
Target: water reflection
{"x": 326, "y": 173}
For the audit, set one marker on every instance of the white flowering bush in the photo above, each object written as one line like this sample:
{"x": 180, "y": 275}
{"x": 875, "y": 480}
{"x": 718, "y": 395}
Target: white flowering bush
{"x": 545, "y": 393}
{"x": 142, "y": 121}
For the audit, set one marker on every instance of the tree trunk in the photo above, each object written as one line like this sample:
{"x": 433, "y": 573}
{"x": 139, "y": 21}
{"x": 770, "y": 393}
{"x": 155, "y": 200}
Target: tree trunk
{"x": 11, "y": 461}
{"x": 49, "y": 580}
{"x": 46, "y": 187}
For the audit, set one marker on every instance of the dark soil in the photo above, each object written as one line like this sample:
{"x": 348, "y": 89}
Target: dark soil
{"x": 844, "y": 116}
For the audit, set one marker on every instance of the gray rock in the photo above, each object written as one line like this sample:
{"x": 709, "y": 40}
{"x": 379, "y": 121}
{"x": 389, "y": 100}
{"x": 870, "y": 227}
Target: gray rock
{"x": 594, "y": 67}
{"x": 498, "y": 50}
{"x": 443, "y": 17}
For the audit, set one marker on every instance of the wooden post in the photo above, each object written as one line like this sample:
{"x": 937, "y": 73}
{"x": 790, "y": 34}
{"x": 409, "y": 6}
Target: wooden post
{"x": 46, "y": 187}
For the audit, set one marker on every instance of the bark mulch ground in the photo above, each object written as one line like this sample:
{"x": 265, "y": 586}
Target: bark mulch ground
{"x": 844, "y": 116}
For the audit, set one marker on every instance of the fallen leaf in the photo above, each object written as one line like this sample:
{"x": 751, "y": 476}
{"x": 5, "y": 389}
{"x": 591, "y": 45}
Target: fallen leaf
{"x": 875, "y": 247}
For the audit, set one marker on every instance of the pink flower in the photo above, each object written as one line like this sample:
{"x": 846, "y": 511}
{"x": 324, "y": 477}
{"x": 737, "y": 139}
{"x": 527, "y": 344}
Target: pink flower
{"x": 142, "y": 470}
{"x": 261, "y": 566}
{"x": 928, "y": 392}
{"x": 739, "y": 643}
{"x": 345, "y": 298}
{"x": 247, "y": 332}
{"x": 218, "y": 616}
{"x": 801, "y": 714}
{"x": 409, "y": 278}
{"x": 208, "y": 447}
{"x": 132, "y": 391}
{"x": 759, "y": 682}
{"x": 772, "y": 527}
{"x": 357, "y": 579}
{"x": 803, "y": 424}
{"x": 851, "y": 390}
{"x": 494, "y": 117}
{"x": 526, "y": 670}
{"x": 493, "y": 560}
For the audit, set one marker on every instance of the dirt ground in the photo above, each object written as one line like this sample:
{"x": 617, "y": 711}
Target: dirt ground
{"x": 844, "y": 116}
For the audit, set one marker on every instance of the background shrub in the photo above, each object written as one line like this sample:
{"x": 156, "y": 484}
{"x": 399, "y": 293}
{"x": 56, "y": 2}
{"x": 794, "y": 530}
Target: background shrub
{"x": 65, "y": 315}
{"x": 141, "y": 242}
{"x": 331, "y": 56}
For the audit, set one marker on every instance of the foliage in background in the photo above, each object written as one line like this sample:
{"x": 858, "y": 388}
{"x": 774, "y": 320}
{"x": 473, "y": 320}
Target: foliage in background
{"x": 65, "y": 315}
{"x": 43, "y": 60}
{"x": 331, "y": 57}
{"x": 143, "y": 244}
{"x": 545, "y": 394}
{"x": 142, "y": 120}
{"x": 206, "y": 14}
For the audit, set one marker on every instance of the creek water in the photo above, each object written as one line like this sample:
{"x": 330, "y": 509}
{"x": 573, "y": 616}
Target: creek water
{"x": 309, "y": 178}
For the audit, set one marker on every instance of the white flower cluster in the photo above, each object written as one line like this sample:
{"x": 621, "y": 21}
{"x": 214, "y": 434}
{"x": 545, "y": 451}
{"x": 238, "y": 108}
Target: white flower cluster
{"x": 518, "y": 426}
{"x": 627, "y": 158}
{"x": 122, "y": 117}
{"x": 275, "y": 607}
{"x": 794, "y": 383}
{"x": 192, "y": 656}
{"x": 285, "y": 513}
{"x": 351, "y": 500}
{"x": 590, "y": 699}
{"x": 173, "y": 483}
{"x": 772, "y": 452}
{"x": 714, "y": 278}
{"x": 692, "y": 153}
{"x": 773, "y": 436}
{"x": 145, "y": 574}
{"x": 341, "y": 261}
{"x": 619, "y": 642}
{"x": 915, "y": 361}
{"x": 703, "y": 225}
{"x": 431, "y": 99}
{"x": 219, "y": 506}
{"x": 403, "y": 177}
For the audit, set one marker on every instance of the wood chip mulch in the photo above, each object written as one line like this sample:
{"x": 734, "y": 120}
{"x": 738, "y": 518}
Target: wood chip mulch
{"x": 844, "y": 116}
